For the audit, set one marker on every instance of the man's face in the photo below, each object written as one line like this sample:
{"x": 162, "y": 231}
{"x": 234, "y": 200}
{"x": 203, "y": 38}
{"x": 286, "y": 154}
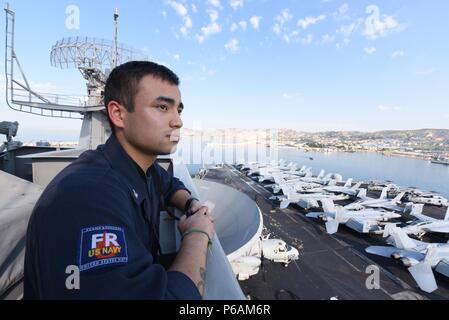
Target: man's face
{"x": 153, "y": 126}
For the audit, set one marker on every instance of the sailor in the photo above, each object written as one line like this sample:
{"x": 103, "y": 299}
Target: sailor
{"x": 93, "y": 234}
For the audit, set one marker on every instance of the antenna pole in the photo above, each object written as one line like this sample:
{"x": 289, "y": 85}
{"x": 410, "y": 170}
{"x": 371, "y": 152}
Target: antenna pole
{"x": 114, "y": 58}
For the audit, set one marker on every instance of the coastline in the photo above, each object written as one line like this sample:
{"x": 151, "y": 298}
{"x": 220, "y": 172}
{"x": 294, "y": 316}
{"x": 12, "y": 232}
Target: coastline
{"x": 403, "y": 154}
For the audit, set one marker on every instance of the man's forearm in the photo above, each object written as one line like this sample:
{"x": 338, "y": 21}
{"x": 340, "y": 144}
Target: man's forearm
{"x": 179, "y": 199}
{"x": 191, "y": 259}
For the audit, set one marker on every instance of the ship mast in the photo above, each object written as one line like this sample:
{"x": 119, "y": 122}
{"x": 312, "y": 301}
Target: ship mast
{"x": 114, "y": 58}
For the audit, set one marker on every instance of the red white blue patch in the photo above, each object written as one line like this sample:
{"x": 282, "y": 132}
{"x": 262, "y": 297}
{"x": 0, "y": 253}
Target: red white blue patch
{"x": 102, "y": 245}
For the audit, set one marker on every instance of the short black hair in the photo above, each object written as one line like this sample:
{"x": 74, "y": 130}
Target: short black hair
{"x": 123, "y": 82}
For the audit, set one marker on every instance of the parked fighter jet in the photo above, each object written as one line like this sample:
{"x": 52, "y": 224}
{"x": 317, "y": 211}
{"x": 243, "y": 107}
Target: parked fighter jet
{"x": 382, "y": 202}
{"x": 305, "y": 201}
{"x": 266, "y": 173}
{"x": 424, "y": 224}
{"x": 346, "y": 189}
{"x": 379, "y": 186}
{"x": 295, "y": 184}
{"x": 419, "y": 196}
{"x": 362, "y": 221}
{"x": 420, "y": 257}
{"x": 321, "y": 178}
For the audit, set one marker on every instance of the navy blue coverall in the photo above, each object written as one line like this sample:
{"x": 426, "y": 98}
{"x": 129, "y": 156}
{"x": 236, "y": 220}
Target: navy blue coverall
{"x": 101, "y": 214}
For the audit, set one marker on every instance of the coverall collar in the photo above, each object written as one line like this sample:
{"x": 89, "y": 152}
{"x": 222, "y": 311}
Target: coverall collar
{"x": 128, "y": 168}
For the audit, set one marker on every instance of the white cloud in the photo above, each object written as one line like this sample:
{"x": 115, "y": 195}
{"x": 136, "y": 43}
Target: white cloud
{"x": 214, "y": 3}
{"x": 184, "y": 30}
{"x": 234, "y": 27}
{"x": 194, "y": 8}
{"x": 292, "y": 36}
{"x": 397, "y": 54}
{"x": 188, "y": 22}
{"x": 236, "y": 4}
{"x": 212, "y": 28}
{"x": 341, "y": 13}
{"x": 280, "y": 20}
{"x": 308, "y": 39}
{"x": 180, "y": 9}
{"x": 164, "y": 13}
{"x": 376, "y": 27}
{"x": 284, "y": 17}
{"x": 187, "y": 25}
{"x": 255, "y": 21}
{"x": 277, "y": 29}
{"x": 370, "y": 50}
{"x": 340, "y": 45}
{"x": 425, "y": 72}
{"x": 308, "y": 21}
{"x": 327, "y": 38}
{"x": 213, "y": 15}
{"x": 383, "y": 108}
{"x": 243, "y": 25}
{"x": 232, "y": 45}
{"x": 348, "y": 30}
{"x": 208, "y": 71}
{"x": 343, "y": 8}
{"x": 294, "y": 97}
{"x": 176, "y": 57}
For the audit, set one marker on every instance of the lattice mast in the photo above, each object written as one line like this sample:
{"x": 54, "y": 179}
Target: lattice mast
{"x": 94, "y": 58}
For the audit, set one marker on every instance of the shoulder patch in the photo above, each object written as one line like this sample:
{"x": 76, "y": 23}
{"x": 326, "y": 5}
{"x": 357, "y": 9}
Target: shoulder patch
{"x": 100, "y": 246}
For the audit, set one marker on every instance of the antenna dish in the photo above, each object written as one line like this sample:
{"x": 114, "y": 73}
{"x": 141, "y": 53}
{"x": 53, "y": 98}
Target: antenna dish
{"x": 90, "y": 53}
{"x": 93, "y": 57}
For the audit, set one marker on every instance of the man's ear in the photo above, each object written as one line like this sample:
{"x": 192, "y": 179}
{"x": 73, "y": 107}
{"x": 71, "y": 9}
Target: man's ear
{"x": 117, "y": 113}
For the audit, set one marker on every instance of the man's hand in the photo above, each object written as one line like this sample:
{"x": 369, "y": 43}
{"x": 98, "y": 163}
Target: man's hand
{"x": 200, "y": 219}
{"x": 201, "y": 208}
{"x": 191, "y": 258}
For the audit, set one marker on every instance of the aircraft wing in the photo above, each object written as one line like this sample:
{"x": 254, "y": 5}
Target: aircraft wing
{"x": 332, "y": 226}
{"x": 284, "y": 203}
{"x": 315, "y": 215}
{"x": 392, "y": 207}
{"x": 443, "y": 267}
{"x": 382, "y": 250}
{"x": 423, "y": 275}
{"x": 354, "y": 206}
{"x": 308, "y": 203}
{"x": 388, "y": 251}
{"x": 442, "y": 229}
{"x": 362, "y": 225}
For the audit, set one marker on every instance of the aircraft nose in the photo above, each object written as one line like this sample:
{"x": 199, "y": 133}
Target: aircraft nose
{"x": 294, "y": 253}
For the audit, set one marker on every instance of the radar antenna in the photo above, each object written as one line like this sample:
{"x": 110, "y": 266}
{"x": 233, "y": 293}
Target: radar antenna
{"x": 94, "y": 58}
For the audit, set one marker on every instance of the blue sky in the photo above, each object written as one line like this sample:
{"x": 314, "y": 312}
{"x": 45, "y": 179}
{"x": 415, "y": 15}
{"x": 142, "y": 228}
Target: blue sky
{"x": 307, "y": 65}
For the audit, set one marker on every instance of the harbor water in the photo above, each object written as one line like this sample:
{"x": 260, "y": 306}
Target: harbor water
{"x": 361, "y": 166}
